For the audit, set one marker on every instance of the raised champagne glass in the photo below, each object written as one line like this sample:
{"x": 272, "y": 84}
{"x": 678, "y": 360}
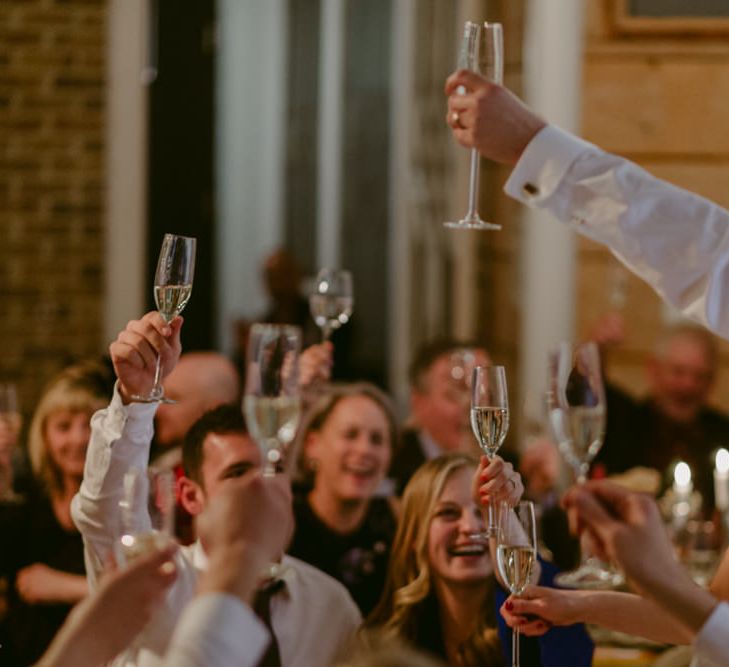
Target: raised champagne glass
{"x": 272, "y": 402}
{"x": 482, "y": 51}
{"x": 577, "y": 411}
{"x": 489, "y": 417}
{"x": 516, "y": 553}
{"x": 331, "y": 300}
{"x": 172, "y": 289}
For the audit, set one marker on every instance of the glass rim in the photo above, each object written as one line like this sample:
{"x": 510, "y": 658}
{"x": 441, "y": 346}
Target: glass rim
{"x": 286, "y": 329}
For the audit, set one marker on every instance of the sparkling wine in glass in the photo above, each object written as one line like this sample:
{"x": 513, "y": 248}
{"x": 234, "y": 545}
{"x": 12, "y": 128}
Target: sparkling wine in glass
{"x": 577, "y": 411}
{"x": 272, "y": 403}
{"x": 147, "y": 513}
{"x": 516, "y": 553}
{"x": 331, "y": 300}
{"x": 489, "y": 415}
{"x": 172, "y": 289}
{"x": 482, "y": 51}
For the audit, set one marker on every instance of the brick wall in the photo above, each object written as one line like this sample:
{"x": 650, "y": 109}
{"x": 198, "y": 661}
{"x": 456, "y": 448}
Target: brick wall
{"x": 51, "y": 187}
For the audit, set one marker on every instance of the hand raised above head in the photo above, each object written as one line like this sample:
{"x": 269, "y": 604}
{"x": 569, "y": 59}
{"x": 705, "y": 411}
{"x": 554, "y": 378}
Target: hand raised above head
{"x": 134, "y": 352}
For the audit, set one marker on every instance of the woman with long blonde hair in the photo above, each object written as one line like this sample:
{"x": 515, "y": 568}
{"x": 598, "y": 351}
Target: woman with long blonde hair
{"x": 439, "y": 593}
{"x": 44, "y": 550}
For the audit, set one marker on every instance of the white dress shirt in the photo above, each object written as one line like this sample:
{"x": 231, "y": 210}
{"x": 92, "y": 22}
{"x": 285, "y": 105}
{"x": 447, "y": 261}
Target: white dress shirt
{"x": 217, "y": 630}
{"x": 712, "y": 642}
{"x": 675, "y": 240}
{"x": 313, "y": 617}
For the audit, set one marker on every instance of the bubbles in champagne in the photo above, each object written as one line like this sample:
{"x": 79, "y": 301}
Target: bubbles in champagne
{"x": 515, "y": 566}
{"x": 490, "y": 426}
{"x": 171, "y": 299}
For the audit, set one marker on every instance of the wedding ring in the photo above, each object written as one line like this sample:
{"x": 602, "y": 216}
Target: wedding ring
{"x": 456, "y": 120}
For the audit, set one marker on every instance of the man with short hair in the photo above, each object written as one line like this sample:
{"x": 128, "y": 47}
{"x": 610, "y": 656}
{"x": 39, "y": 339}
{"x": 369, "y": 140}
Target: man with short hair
{"x": 439, "y": 406}
{"x": 306, "y": 631}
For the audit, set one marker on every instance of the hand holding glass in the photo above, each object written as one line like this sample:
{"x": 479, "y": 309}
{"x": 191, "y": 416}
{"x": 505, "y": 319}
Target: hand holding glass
{"x": 172, "y": 289}
{"x": 272, "y": 403}
{"x": 489, "y": 415}
{"x": 331, "y": 300}
{"x": 482, "y": 51}
{"x": 516, "y": 552}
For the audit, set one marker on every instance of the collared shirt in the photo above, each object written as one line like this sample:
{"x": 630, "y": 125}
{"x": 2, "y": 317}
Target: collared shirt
{"x": 217, "y": 630}
{"x": 314, "y": 617}
{"x": 712, "y": 641}
{"x": 675, "y": 240}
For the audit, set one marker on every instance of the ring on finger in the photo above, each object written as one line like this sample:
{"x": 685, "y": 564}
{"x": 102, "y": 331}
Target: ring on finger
{"x": 456, "y": 120}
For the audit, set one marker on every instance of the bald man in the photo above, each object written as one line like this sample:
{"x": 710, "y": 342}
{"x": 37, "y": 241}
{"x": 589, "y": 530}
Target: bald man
{"x": 200, "y": 382}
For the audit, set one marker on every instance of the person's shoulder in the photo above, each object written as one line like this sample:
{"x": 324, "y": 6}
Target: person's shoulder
{"x": 318, "y": 584}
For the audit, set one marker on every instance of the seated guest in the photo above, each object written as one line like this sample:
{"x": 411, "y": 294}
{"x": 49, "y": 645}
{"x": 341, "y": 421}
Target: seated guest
{"x": 440, "y": 590}
{"x": 342, "y": 527}
{"x": 216, "y": 451}
{"x": 244, "y": 529}
{"x": 42, "y": 549}
{"x": 439, "y": 409}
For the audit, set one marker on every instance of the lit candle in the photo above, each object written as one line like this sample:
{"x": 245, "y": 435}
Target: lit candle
{"x": 682, "y": 484}
{"x": 721, "y": 480}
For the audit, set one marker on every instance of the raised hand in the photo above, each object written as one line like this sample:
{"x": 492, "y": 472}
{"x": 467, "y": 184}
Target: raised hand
{"x": 496, "y": 481}
{"x": 134, "y": 353}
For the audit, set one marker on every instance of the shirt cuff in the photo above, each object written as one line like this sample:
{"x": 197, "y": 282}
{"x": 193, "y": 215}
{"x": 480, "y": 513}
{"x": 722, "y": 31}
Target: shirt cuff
{"x": 136, "y": 418}
{"x": 217, "y": 628}
{"x": 543, "y": 164}
{"x": 713, "y": 638}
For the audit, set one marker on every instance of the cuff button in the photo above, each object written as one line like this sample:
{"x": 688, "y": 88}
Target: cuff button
{"x": 530, "y": 189}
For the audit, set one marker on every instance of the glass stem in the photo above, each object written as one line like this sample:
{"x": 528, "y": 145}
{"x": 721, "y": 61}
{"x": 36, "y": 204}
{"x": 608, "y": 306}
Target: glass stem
{"x": 157, "y": 388}
{"x": 326, "y": 332}
{"x": 515, "y": 648}
{"x": 473, "y": 185}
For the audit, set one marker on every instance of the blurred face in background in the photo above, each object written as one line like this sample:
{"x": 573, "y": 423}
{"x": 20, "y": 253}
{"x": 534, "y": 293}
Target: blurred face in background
{"x": 67, "y": 434}
{"x": 681, "y": 377}
{"x": 441, "y": 404}
{"x": 352, "y": 449}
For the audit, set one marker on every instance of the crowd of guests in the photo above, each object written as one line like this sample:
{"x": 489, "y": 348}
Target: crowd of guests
{"x": 367, "y": 543}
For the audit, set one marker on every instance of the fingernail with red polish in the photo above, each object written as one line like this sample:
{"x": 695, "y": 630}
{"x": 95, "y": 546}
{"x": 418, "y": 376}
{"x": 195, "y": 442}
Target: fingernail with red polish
{"x": 509, "y": 606}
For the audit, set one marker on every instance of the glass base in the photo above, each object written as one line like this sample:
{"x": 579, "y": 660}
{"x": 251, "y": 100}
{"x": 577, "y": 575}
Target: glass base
{"x": 153, "y": 399}
{"x": 472, "y": 222}
{"x": 593, "y": 575}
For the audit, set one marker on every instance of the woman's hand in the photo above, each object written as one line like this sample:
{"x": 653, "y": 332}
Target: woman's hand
{"x": 496, "y": 481}
{"x": 539, "y": 608}
{"x": 315, "y": 364}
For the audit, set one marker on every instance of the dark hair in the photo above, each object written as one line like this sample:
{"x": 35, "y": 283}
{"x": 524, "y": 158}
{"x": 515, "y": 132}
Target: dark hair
{"x": 226, "y": 418}
{"x": 427, "y": 354}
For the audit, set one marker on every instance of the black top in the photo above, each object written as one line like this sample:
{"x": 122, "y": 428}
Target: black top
{"x": 638, "y": 434}
{"x": 406, "y": 459}
{"x": 31, "y": 534}
{"x": 358, "y": 559}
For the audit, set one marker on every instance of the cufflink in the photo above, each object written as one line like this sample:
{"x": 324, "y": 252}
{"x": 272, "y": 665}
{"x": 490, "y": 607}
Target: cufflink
{"x": 530, "y": 189}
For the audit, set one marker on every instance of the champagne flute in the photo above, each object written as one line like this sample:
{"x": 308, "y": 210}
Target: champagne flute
{"x": 272, "y": 403}
{"x": 482, "y": 51}
{"x": 576, "y": 403}
{"x": 172, "y": 289}
{"x": 516, "y": 552}
{"x": 331, "y": 300}
{"x": 489, "y": 417}
{"x": 147, "y": 513}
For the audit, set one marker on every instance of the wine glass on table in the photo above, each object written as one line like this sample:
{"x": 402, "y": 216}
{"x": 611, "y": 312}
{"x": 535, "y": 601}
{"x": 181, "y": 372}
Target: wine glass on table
{"x": 516, "y": 552}
{"x": 577, "y": 410}
{"x": 272, "y": 403}
{"x": 489, "y": 417}
{"x": 172, "y": 289}
{"x": 147, "y": 513}
{"x": 482, "y": 51}
{"x": 331, "y": 300}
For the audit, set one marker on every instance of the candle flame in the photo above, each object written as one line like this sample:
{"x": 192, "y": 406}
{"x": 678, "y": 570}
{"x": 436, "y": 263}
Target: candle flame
{"x": 682, "y": 474}
{"x": 722, "y": 461}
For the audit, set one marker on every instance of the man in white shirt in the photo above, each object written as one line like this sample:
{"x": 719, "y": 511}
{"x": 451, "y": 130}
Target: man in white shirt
{"x": 308, "y": 631}
{"x": 675, "y": 240}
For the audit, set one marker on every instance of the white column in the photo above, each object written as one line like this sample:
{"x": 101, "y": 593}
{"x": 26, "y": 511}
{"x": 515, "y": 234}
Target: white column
{"x": 126, "y": 165}
{"x": 400, "y": 288}
{"x": 250, "y": 125}
{"x": 332, "y": 57}
{"x": 552, "y": 72}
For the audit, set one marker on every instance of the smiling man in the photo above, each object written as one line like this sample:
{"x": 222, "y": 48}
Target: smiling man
{"x": 217, "y": 450}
